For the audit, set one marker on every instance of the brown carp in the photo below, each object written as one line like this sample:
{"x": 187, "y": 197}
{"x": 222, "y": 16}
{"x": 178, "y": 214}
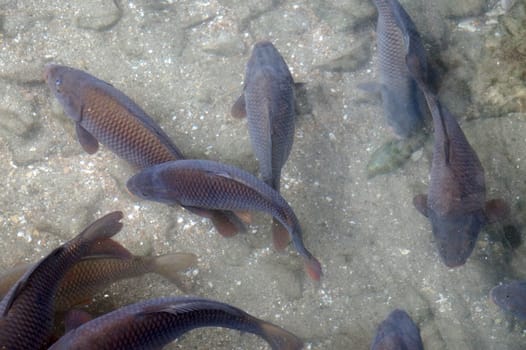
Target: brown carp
{"x": 268, "y": 102}
{"x": 152, "y": 324}
{"x": 104, "y": 114}
{"x": 27, "y": 311}
{"x": 213, "y": 185}
{"x": 93, "y": 273}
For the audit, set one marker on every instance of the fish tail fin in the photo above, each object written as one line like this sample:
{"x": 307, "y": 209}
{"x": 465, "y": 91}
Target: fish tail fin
{"x": 227, "y": 223}
{"x": 280, "y": 235}
{"x": 170, "y": 265}
{"x": 312, "y": 267}
{"x": 105, "y": 227}
{"x": 278, "y": 338}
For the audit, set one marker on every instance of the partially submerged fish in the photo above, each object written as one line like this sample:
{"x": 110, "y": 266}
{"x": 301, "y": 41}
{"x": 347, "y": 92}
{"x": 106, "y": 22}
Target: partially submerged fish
{"x": 511, "y": 297}
{"x": 104, "y": 114}
{"x": 397, "y": 332}
{"x": 456, "y": 200}
{"x": 95, "y": 272}
{"x": 27, "y": 311}
{"x": 268, "y": 103}
{"x": 403, "y": 102}
{"x": 152, "y": 324}
{"x": 213, "y": 185}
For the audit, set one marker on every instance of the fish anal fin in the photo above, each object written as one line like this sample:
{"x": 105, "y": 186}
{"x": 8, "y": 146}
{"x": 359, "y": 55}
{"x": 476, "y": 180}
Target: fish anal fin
{"x": 239, "y": 109}
{"x": 420, "y": 203}
{"x": 109, "y": 247}
{"x": 496, "y": 210}
{"x": 280, "y": 236}
{"x": 88, "y": 142}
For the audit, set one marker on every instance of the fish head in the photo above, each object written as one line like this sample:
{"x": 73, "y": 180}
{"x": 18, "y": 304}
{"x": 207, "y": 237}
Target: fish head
{"x": 511, "y": 297}
{"x": 456, "y": 235}
{"x": 148, "y": 184}
{"x": 65, "y": 83}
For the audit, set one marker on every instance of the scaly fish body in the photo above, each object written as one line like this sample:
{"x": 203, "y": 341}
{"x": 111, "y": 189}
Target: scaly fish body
{"x": 94, "y": 273}
{"x": 103, "y": 113}
{"x": 155, "y": 323}
{"x": 397, "y": 332}
{"x": 456, "y": 200}
{"x": 213, "y": 185}
{"x": 27, "y": 311}
{"x": 268, "y": 102}
{"x": 511, "y": 297}
{"x": 402, "y": 100}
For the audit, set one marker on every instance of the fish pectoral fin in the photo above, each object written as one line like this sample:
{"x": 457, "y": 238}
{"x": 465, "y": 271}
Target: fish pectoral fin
{"x": 239, "y": 109}
{"x": 420, "y": 203}
{"x": 76, "y": 318}
{"x": 88, "y": 142}
{"x": 496, "y": 210}
{"x": 280, "y": 236}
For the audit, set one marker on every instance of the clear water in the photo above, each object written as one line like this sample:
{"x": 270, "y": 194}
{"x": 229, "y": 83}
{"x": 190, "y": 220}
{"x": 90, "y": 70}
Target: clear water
{"x": 183, "y": 62}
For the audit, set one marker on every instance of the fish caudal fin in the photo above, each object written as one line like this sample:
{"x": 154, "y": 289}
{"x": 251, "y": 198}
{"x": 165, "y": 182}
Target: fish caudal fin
{"x": 280, "y": 339}
{"x": 280, "y": 235}
{"x": 170, "y": 265}
{"x": 313, "y": 268}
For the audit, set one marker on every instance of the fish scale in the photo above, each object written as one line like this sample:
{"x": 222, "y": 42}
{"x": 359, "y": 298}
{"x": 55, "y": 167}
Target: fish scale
{"x": 151, "y": 324}
{"x": 213, "y": 185}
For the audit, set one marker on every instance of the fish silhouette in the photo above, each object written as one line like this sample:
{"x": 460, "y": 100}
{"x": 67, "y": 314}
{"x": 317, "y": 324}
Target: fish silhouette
{"x": 511, "y": 297}
{"x": 268, "y": 102}
{"x": 456, "y": 201}
{"x": 110, "y": 262}
{"x": 103, "y": 113}
{"x": 397, "y": 332}
{"x": 27, "y": 311}
{"x": 403, "y": 102}
{"x": 152, "y": 324}
{"x": 213, "y": 185}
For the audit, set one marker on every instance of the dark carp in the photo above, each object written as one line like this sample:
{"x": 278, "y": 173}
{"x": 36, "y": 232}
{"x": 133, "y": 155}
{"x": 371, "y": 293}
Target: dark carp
{"x": 152, "y": 324}
{"x": 511, "y": 297}
{"x": 95, "y": 272}
{"x": 27, "y": 311}
{"x": 397, "y": 332}
{"x": 104, "y": 114}
{"x": 403, "y": 102}
{"x": 456, "y": 201}
{"x": 268, "y": 102}
{"x": 213, "y": 185}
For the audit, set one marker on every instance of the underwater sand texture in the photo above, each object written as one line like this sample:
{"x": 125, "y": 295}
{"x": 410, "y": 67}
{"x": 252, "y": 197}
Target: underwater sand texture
{"x": 183, "y": 62}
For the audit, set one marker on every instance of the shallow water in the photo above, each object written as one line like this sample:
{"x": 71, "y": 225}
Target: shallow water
{"x": 183, "y": 62}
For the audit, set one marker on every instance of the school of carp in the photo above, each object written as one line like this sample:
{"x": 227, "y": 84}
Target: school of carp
{"x": 36, "y": 296}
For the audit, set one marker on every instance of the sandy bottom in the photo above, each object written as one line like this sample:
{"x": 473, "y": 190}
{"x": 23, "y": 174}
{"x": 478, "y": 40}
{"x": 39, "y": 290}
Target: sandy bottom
{"x": 183, "y": 62}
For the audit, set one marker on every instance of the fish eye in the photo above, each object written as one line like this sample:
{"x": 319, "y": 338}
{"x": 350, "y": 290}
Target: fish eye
{"x": 58, "y": 83}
